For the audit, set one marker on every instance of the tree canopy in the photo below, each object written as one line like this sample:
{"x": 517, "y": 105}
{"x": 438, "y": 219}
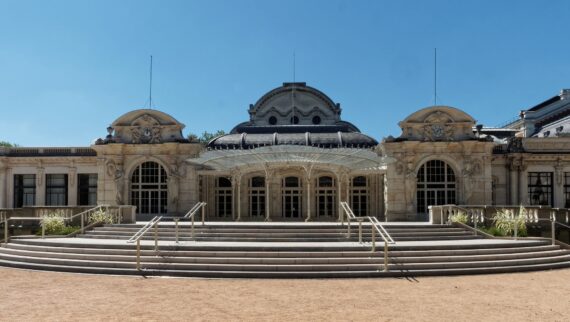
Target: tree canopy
{"x": 7, "y": 144}
{"x": 205, "y": 137}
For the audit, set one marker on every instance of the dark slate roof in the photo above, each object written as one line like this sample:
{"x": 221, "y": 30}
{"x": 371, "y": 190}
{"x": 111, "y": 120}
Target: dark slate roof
{"x": 47, "y": 152}
{"x": 545, "y": 103}
{"x": 323, "y": 139}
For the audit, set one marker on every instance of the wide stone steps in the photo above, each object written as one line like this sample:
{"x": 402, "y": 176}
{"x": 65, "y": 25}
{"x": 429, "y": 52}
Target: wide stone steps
{"x": 279, "y": 233}
{"x": 282, "y": 251}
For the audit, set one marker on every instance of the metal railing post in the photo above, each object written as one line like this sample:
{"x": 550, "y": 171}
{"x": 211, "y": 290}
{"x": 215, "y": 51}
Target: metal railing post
{"x": 475, "y": 219}
{"x": 516, "y": 227}
{"x": 176, "y": 228}
{"x": 203, "y": 213}
{"x": 373, "y": 239}
{"x": 553, "y": 230}
{"x": 348, "y": 228}
{"x": 6, "y": 231}
{"x": 385, "y": 256}
{"x": 192, "y": 228}
{"x": 360, "y": 231}
{"x": 156, "y": 236}
{"x": 43, "y": 230}
{"x": 138, "y": 254}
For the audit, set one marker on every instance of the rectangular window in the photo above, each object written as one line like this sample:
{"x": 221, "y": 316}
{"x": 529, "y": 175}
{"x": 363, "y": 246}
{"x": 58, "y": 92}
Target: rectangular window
{"x": 540, "y": 188}
{"x": 24, "y": 190}
{"x": 87, "y": 189}
{"x": 56, "y": 189}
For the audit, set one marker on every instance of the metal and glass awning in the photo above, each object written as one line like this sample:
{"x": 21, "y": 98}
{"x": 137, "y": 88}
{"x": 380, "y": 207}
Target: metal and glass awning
{"x": 351, "y": 159}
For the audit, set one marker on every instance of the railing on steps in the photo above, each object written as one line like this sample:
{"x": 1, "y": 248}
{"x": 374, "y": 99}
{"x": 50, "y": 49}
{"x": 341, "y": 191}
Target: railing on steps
{"x": 154, "y": 224}
{"x": 375, "y": 226}
{"x": 192, "y": 214}
{"x": 113, "y": 211}
{"x": 139, "y": 234}
{"x": 477, "y": 215}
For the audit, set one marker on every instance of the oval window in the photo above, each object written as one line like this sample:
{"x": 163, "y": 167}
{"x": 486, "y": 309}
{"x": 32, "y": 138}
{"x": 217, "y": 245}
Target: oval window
{"x": 294, "y": 120}
{"x": 272, "y": 120}
{"x": 316, "y": 119}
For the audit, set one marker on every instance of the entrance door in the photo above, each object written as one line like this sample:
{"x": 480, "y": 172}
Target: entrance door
{"x": 435, "y": 185}
{"x": 292, "y": 198}
{"x": 326, "y": 197}
{"x": 149, "y": 191}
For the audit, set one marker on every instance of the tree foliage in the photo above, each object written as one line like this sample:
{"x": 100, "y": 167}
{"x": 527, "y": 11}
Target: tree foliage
{"x": 205, "y": 137}
{"x": 7, "y": 144}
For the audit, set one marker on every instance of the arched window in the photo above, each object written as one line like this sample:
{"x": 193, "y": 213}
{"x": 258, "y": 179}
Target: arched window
{"x": 326, "y": 197}
{"x": 436, "y": 185}
{"x": 359, "y": 196}
{"x": 223, "y": 197}
{"x": 257, "y": 196}
{"x": 149, "y": 191}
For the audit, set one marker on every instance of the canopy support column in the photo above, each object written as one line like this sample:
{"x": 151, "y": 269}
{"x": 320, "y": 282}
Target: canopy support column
{"x": 236, "y": 183}
{"x": 268, "y": 175}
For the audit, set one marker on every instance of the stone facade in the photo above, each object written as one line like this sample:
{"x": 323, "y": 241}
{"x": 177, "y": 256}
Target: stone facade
{"x": 441, "y": 156}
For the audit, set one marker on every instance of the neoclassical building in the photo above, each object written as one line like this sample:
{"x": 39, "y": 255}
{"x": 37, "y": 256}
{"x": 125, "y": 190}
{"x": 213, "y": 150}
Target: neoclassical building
{"x": 295, "y": 159}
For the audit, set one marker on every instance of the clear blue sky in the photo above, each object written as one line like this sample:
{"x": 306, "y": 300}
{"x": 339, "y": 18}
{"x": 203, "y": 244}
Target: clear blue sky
{"x": 69, "y": 68}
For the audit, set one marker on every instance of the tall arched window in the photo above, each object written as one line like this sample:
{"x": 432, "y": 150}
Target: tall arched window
{"x": 436, "y": 185}
{"x": 326, "y": 197}
{"x": 149, "y": 191}
{"x": 223, "y": 197}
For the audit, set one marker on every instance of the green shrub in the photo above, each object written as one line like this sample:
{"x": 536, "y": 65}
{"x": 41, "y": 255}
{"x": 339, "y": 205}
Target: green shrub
{"x": 460, "y": 217}
{"x": 100, "y": 216}
{"x": 505, "y": 221}
{"x": 54, "y": 223}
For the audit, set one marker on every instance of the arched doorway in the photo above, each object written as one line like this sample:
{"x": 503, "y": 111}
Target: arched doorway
{"x": 291, "y": 192}
{"x": 149, "y": 189}
{"x": 435, "y": 185}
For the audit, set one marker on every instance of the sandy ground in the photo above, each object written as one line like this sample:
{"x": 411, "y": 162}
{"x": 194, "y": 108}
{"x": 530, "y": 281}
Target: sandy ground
{"x": 30, "y": 295}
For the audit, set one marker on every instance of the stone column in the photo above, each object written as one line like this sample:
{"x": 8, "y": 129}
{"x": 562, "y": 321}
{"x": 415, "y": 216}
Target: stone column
{"x": 72, "y": 186}
{"x": 40, "y": 186}
{"x": 513, "y": 192}
{"x": 3, "y": 184}
{"x": 559, "y": 198}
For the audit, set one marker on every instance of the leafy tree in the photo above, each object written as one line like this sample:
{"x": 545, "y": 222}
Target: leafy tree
{"x": 205, "y": 137}
{"x": 7, "y": 144}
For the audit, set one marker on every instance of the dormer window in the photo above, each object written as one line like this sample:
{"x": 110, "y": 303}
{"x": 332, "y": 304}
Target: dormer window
{"x": 272, "y": 120}
{"x": 316, "y": 120}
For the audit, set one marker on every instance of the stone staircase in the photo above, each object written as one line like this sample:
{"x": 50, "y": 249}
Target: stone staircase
{"x": 283, "y": 250}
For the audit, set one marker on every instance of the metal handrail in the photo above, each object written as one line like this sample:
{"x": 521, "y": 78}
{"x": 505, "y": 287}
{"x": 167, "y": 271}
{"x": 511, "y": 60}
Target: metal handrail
{"x": 195, "y": 209}
{"x": 154, "y": 223}
{"x": 192, "y": 214}
{"x": 140, "y": 233}
{"x": 376, "y": 226}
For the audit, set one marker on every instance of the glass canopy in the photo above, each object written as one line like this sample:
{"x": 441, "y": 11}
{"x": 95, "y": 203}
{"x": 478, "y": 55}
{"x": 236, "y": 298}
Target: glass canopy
{"x": 351, "y": 159}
